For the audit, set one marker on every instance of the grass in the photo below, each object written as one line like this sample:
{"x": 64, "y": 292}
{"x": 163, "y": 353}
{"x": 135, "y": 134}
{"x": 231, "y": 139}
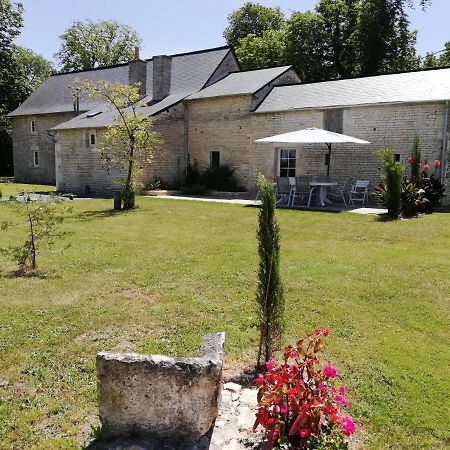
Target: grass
{"x": 8, "y": 187}
{"x": 156, "y": 279}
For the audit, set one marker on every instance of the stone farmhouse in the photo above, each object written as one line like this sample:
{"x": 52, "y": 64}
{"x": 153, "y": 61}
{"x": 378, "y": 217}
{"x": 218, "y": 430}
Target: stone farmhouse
{"x": 209, "y": 111}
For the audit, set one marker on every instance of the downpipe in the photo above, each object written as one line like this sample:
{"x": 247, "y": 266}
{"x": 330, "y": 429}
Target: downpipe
{"x": 444, "y": 143}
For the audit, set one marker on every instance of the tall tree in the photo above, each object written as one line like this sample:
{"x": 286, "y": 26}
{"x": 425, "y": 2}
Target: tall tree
{"x": 306, "y": 47}
{"x": 14, "y": 88}
{"x": 384, "y": 40}
{"x": 252, "y": 18}
{"x": 268, "y": 50}
{"x": 439, "y": 59}
{"x": 36, "y": 68}
{"x": 93, "y": 44}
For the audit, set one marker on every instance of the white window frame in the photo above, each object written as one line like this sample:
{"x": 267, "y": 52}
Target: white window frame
{"x": 290, "y": 167}
{"x": 92, "y": 145}
{"x": 35, "y": 158}
{"x": 33, "y": 127}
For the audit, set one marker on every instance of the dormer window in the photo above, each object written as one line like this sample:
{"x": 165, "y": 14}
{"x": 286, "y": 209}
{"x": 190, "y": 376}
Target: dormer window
{"x": 92, "y": 140}
{"x": 33, "y": 127}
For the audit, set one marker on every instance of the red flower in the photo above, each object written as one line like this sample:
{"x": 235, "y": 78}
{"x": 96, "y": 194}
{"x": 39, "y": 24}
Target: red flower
{"x": 318, "y": 331}
{"x": 426, "y": 168}
{"x": 436, "y": 163}
{"x": 260, "y": 379}
{"x": 410, "y": 160}
{"x": 305, "y": 432}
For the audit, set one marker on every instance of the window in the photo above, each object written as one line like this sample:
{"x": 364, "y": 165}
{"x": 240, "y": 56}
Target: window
{"x": 397, "y": 157}
{"x": 33, "y": 126}
{"x": 288, "y": 160}
{"x": 92, "y": 140}
{"x": 36, "y": 158}
{"x": 214, "y": 159}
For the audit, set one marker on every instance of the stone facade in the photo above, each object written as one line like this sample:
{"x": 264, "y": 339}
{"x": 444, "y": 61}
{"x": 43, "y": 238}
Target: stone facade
{"x": 228, "y": 126}
{"x": 26, "y": 142}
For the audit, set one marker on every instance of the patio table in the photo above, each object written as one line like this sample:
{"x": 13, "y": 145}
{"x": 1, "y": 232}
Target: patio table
{"x": 322, "y": 187}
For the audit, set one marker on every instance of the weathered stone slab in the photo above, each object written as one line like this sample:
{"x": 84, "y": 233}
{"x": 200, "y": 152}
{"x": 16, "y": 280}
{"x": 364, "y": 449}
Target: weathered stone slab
{"x": 159, "y": 397}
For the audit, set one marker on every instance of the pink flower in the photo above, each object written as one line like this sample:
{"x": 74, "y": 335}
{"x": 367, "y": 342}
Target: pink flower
{"x": 329, "y": 371}
{"x": 436, "y": 163}
{"x": 332, "y": 390}
{"x": 348, "y": 427}
{"x": 321, "y": 387}
{"x": 284, "y": 409}
{"x": 409, "y": 160}
{"x": 269, "y": 364}
{"x": 426, "y": 168}
{"x": 260, "y": 379}
{"x": 342, "y": 390}
{"x": 341, "y": 400}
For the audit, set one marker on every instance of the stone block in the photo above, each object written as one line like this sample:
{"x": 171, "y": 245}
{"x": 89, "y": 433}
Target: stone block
{"x": 158, "y": 397}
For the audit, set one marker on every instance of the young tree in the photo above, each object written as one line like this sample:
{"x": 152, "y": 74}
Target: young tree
{"x": 41, "y": 220}
{"x": 269, "y": 295}
{"x": 392, "y": 179}
{"x": 128, "y": 142}
{"x": 93, "y": 44}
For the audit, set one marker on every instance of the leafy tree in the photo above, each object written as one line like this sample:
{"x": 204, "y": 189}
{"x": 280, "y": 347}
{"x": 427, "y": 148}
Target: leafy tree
{"x": 129, "y": 142}
{"x": 41, "y": 220}
{"x": 392, "y": 180}
{"x": 439, "y": 59}
{"x": 93, "y": 44}
{"x": 305, "y": 47}
{"x": 14, "y": 88}
{"x": 269, "y": 294}
{"x": 252, "y": 18}
{"x": 36, "y": 68}
{"x": 384, "y": 40}
{"x": 268, "y": 50}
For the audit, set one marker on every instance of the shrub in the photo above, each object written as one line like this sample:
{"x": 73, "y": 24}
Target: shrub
{"x": 156, "y": 183}
{"x": 269, "y": 295}
{"x": 194, "y": 189}
{"x": 392, "y": 179}
{"x": 220, "y": 178}
{"x": 299, "y": 402}
{"x": 193, "y": 174}
{"x": 415, "y": 160}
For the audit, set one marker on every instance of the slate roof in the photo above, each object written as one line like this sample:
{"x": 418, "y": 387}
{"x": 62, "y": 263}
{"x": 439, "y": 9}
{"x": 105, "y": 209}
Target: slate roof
{"x": 409, "y": 87}
{"x": 190, "y": 72}
{"x": 240, "y": 83}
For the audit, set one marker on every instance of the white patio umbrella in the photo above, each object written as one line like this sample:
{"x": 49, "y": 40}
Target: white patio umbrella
{"x": 313, "y": 136}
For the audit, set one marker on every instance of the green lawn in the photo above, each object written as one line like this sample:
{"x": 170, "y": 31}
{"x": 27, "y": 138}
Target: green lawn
{"x": 7, "y": 187}
{"x": 156, "y": 279}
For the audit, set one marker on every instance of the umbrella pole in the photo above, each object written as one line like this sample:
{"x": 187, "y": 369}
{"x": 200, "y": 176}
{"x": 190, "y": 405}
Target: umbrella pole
{"x": 329, "y": 159}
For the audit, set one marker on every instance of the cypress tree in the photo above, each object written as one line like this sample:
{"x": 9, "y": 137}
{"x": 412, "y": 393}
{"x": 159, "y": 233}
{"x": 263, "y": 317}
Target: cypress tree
{"x": 269, "y": 294}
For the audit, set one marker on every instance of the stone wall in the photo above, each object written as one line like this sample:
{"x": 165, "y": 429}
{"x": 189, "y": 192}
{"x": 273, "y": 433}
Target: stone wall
{"x": 79, "y": 168}
{"x": 25, "y": 143}
{"x": 227, "y": 125}
{"x": 173, "y": 399}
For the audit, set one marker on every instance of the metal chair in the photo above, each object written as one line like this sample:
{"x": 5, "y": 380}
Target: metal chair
{"x": 284, "y": 190}
{"x": 338, "y": 193}
{"x": 302, "y": 189}
{"x": 359, "y": 192}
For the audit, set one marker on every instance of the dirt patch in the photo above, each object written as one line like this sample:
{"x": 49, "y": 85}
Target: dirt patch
{"x": 134, "y": 293}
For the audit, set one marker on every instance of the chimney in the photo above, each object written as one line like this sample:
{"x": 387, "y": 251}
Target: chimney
{"x": 162, "y": 69}
{"x": 137, "y": 72}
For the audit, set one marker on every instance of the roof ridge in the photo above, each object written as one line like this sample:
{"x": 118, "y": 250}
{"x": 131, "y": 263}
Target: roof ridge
{"x": 224, "y": 47}
{"x": 356, "y": 77}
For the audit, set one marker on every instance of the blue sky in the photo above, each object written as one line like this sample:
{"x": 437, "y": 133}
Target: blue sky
{"x": 175, "y": 26}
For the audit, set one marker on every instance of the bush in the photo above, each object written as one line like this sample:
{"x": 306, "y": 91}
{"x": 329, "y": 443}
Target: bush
{"x": 391, "y": 195}
{"x": 156, "y": 183}
{"x": 216, "y": 178}
{"x": 298, "y": 401}
{"x": 194, "y": 189}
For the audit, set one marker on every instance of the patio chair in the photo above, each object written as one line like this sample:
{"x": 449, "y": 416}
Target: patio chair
{"x": 339, "y": 193}
{"x": 284, "y": 191}
{"x": 359, "y": 192}
{"x": 302, "y": 189}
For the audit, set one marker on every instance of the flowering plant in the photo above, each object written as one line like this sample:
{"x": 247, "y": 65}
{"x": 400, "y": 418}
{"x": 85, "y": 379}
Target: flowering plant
{"x": 299, "y": 403}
